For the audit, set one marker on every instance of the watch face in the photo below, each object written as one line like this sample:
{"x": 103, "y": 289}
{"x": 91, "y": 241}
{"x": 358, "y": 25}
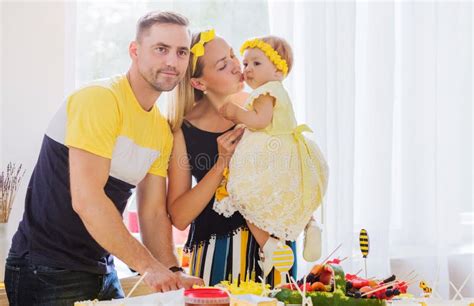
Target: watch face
{"x": 176, "y": 269}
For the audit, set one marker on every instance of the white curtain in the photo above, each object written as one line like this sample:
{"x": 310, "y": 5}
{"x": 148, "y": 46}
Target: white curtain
{"x": 387, "y": 89}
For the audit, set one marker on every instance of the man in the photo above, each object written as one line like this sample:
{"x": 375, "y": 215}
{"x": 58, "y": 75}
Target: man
{"x": 106, "y": 139}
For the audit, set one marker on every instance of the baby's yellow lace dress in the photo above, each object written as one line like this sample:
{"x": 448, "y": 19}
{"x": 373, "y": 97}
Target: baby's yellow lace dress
{"x": 277, "y": 177}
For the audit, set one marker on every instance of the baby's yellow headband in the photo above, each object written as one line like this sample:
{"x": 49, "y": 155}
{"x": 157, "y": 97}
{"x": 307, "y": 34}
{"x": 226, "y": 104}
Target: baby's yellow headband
{"x": 271, "y": 53}
{"x": 198, "y": 48}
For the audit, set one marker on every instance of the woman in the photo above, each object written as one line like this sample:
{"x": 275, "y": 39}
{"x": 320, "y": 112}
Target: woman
{"x": 221, "y": 248}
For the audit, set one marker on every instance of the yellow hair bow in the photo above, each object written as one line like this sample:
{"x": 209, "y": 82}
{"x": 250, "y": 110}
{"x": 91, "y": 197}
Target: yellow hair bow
{"x": 198, "y": 49}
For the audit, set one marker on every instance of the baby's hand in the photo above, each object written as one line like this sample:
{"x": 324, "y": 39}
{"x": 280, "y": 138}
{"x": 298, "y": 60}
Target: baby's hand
{"x": 230, "y": 111}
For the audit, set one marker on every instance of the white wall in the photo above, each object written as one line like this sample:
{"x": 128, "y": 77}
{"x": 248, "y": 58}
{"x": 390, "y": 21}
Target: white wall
{"x": 35, "y": 75}
{"x": 1, "y": 83}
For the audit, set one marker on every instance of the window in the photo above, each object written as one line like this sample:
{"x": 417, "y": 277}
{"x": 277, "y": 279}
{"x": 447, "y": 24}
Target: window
{"x": 105, "y": 29}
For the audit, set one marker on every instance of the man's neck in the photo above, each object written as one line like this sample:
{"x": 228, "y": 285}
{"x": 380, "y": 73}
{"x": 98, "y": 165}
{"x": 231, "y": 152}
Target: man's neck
{"x": 145, "y": 94}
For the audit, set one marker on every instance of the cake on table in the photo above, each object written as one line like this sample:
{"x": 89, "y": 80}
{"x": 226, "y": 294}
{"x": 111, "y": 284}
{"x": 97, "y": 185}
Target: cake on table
{"x": 97, "y": 302}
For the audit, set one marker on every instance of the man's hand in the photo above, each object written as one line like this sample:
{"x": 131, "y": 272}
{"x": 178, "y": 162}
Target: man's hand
{"x": 189, "y": 281}
{"x": 160, "y": 279}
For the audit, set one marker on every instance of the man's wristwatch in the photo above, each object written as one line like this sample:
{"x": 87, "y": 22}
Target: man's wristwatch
{"x": 176, "y": 269}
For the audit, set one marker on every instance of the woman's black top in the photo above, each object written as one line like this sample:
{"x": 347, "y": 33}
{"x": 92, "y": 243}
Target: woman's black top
{"x": 202, "y": 154}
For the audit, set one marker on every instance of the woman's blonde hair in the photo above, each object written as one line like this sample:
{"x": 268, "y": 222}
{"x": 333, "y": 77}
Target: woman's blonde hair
{"x": 184, "y": 95}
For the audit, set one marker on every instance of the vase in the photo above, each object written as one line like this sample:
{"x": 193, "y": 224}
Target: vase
{"x": 4, "y": 246}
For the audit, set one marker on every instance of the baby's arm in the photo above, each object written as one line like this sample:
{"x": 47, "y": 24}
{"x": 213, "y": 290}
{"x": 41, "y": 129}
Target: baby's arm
{"x": 258, "y": 118}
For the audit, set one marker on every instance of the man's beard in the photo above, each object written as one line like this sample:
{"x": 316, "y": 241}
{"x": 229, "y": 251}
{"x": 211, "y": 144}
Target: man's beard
{"x": 161, "y": 85}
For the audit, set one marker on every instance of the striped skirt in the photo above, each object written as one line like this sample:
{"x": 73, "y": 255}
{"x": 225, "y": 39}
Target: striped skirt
{"x": 231, "y": 258}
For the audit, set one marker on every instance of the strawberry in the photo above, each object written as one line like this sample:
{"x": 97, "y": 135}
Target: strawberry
{"x": 308, "y": 287}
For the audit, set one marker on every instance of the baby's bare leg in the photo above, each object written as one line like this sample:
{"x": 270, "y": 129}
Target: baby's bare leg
{"x": 260, "y": 235}
{"x": 268, "y": 245}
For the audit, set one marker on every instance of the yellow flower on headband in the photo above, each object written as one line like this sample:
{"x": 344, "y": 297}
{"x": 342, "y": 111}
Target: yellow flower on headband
{"x": 271, "y": 53}
{"x": 198, "y": 48}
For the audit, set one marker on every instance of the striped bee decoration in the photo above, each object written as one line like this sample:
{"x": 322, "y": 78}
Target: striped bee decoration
{"x": 283, "y": 258}
{"x": 426, "y": 289}
{"x": 364, "y": 242}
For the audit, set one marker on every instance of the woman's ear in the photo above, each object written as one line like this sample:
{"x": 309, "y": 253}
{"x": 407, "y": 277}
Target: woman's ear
{"x": 197, "y": 83}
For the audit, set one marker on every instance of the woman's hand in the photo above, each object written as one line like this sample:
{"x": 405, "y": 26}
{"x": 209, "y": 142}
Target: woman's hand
{"x": 226, "y": 144}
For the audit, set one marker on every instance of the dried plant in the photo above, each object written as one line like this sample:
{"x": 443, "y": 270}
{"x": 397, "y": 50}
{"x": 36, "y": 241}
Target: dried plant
{"x": 9, "y": 184}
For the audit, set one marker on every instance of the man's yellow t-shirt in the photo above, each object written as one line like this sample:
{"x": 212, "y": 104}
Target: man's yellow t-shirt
{"x": 104, "y": 119}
